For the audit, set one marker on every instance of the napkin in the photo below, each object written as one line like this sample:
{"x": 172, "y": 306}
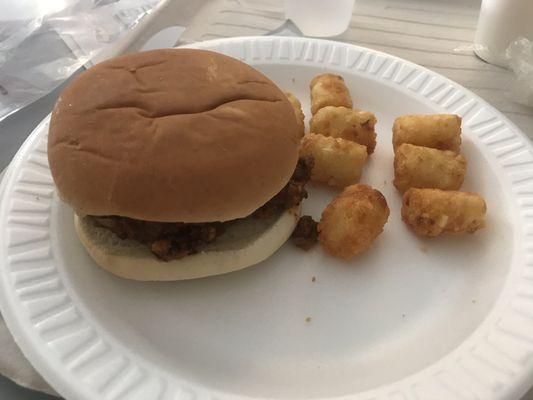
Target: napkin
{"x": 16, "y": 367}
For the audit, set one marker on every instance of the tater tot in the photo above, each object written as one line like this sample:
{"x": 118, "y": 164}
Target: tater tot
{"x": 352, "y": 221}
{"x": 297, "y": 111}
{"x": 337, "y": 162}
{"x": 346, "y": 123}
{"x": 432, "y": 212}
{"x": 439, "y": 131}
{"x": 329, "y": 90}
{"x": 423, "y": 167}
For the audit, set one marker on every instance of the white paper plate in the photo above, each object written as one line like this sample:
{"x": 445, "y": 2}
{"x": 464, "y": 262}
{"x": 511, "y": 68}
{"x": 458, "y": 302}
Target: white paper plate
{"x": 449, "y": 318}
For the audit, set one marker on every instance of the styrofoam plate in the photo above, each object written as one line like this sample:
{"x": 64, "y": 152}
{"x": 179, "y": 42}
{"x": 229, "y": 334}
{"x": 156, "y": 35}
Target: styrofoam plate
{"x": 448, "y": 318}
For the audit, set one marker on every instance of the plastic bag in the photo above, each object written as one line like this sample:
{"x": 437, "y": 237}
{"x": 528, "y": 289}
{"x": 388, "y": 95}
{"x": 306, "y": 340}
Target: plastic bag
{"x": 520, "y": 60}
{"x": 40, "y": 52}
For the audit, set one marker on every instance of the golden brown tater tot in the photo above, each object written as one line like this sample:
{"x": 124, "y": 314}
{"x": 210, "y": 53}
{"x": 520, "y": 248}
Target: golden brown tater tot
{"x": 423, "y": 167}
{"x": 329, "y": 90}
{"x": 432, "y": 212}
{"x": 352, "y": 221}
{"x": 346, "y": 123}
{"x": 297, "y": 112}
{"x": 439, "y": 131}
{"x": 337, "y": 162}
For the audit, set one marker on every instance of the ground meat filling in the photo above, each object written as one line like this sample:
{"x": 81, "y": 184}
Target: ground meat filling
{"x": 305, "y": 235}
{"x": 167, "y": 240}
{"x": 174, "y": 240}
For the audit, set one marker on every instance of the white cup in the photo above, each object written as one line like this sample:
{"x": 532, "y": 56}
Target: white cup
{"x": 320, "y": 18}
{"x": 500, "y": 23}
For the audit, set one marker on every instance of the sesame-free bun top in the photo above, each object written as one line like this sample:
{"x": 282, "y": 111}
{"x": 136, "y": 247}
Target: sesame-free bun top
{"x": 175, "y": 135}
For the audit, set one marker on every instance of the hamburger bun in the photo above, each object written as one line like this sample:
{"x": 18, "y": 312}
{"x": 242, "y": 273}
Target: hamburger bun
{"x": 245, "y": 243}
{"x": 174, "y": 135}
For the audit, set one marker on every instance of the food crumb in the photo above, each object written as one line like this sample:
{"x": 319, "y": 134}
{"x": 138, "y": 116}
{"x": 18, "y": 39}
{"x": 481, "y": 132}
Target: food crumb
{"x": 313, "y": 279}
{"x": 307, "y": 319}
{"x": 424, "y": 248}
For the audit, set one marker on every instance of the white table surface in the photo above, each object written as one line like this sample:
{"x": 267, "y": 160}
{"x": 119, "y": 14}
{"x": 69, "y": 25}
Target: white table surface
{"x": 433, "y": 33}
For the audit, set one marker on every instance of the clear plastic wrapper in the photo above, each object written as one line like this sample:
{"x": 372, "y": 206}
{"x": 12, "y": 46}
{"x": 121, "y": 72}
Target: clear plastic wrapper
{"x": 40, "y": 52}
{"x": 520, "y": 60}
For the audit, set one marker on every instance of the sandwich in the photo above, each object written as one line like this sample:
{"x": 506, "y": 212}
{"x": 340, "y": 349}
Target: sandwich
{"x": 178, "y": 164}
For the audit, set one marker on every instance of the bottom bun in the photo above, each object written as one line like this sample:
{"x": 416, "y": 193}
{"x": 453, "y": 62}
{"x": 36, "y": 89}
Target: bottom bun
{"x": 244, "y": 244}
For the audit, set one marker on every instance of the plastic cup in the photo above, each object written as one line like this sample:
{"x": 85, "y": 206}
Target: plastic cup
{"x": 500, "y": 23}
{"x": 320, "y": 18}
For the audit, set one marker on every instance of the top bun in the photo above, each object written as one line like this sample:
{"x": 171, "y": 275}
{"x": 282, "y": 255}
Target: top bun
{"x": 175, "y": 135}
